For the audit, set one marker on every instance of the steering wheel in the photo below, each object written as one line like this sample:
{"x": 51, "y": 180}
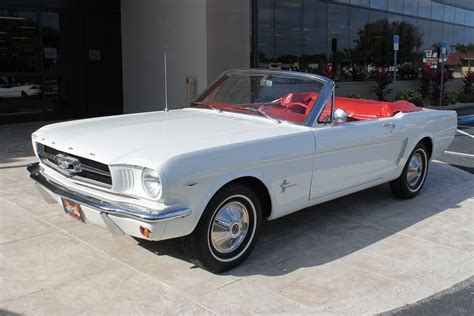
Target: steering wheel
{"x": 296, "y": 104}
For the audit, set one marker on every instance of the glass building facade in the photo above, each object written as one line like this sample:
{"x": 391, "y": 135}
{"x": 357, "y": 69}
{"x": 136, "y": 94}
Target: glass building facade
{"x": 59, "y": 59}
{"x": 348, "y": 39}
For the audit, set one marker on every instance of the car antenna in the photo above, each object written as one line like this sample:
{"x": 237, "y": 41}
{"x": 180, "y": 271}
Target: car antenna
{"x": 166, "y": 83}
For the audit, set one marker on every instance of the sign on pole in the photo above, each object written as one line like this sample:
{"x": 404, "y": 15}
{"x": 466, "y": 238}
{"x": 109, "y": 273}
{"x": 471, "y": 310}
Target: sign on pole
{"x": 444, "y": 46}
{"x": 396, "y": 44}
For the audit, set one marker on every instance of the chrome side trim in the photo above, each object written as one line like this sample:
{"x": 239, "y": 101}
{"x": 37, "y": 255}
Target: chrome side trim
{"x": 128, "y": 210}
{"x": 402, "y": 151}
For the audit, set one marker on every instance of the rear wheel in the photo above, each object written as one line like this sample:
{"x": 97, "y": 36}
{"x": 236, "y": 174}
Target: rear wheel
{"x": 413, "y": 176}
{"x": 227, "y": 230}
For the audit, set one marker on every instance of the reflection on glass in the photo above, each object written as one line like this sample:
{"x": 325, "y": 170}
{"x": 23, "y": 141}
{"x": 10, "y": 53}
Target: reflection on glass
{"x": 458, "y": 34}
{"x": 410, "y": 7}
{"x": 378, "y": 4}
{"x": 424, "y": 8}
{"x": 449, "y": 14}
{"x": 50, "y": 35}
{"x": 287, "y": 36}
{"x": 359, "y": 18}
{"x": 315, "y": 23}
{"x": 20, "y": 94}
{"x": 470, "y": 18}
{"x": 436, "y": 32}
{"x": 19, "y": 42}
{"x": 265, "y": 30}
{"x": 424, "y": 27}
{"x": 448, "y": 32}
{"x": 293, "y": 34}
{"x": 395, "y": 6}
{"x": 460, "y": 16}
{"x": 437, "y": 11}
{"x": 363, "y": 3}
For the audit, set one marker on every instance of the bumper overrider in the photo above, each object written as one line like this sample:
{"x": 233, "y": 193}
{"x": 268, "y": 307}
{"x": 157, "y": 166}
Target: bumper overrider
{"x": 118, "y": 217}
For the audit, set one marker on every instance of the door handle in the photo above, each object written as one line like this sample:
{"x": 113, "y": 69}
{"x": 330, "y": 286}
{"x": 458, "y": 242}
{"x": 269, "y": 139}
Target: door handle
{"x": 389, "y": 124}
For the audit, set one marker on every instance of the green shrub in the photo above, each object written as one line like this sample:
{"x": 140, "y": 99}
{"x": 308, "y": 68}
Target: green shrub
{"x": 466, "y": 98}
{"x": 412, "y": 96}
{"x": 450, "y": 97}
{"x": 353, "y": 96}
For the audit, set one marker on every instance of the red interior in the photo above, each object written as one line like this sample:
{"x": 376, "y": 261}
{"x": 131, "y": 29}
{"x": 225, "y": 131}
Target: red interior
{"x": 295, "y": 107}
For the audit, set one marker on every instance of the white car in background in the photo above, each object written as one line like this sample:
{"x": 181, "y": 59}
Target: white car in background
{"x": 19, "y": 91}
{"x": 257, "y": 144}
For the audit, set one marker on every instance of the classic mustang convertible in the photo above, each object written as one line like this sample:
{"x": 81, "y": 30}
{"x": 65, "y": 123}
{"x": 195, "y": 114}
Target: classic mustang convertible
{"x": 255, "y": 145}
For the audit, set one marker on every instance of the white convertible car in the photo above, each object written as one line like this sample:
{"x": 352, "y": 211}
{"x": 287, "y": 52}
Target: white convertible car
{"x": 255, "y": 145}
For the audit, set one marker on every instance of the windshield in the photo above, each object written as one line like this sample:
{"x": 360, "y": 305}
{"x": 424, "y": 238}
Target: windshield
{"x": 276, "y": 96}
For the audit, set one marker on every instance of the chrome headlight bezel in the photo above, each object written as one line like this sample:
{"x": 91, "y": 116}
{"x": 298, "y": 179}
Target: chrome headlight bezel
{"x": 151, "y": 183}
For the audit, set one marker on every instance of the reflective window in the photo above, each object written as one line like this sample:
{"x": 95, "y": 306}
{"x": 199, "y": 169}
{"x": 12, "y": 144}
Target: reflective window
{"x": 265, "y": 30}
{"x": 315, "y": 23}
{"x": 20, "y": 94}
{"x": 287, "y": 36}
{"x": 19, "y": 41}
{"x": 363, "y": 3}
{"x": 378, "y": 4}
{"x": 437, "y": 11}
{"x": 469, "y": 35}
{"x": 50, "y": 37}
{"x": 424, "y": 8}
{"x": 458, "y": 34}
{"x": 338, "y": 26}
{"x": 436, "y": 33}
{"x": 424, "y": 28}
{"x": 395, "y": 6}
{"x": 301, "y": 34}
{"x": 410, "y": 7}
{"x": 359, "y": 18}
{"x": 448, "y": 32}
{"x": 449, "y": 14}
{"x": 470, "y": 18}
{"x": 460, "y": 16}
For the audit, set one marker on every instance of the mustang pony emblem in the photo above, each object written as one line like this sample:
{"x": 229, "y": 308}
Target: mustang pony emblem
{"x": 285, "y": 185}
{"x": 68, "y": 163}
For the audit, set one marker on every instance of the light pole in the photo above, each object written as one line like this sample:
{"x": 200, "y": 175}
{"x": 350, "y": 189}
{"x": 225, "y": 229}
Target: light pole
{"x": 444, "y": 45}
{"x": 396, "y": 42}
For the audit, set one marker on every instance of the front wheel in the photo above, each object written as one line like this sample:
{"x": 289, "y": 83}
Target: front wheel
{"x": 227, "y": 230}
{"x": 413, "y": 176}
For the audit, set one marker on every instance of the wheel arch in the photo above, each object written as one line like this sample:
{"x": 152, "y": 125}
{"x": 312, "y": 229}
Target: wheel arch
{"x": 255, "y": 182}
{"x": 428, "y": 142}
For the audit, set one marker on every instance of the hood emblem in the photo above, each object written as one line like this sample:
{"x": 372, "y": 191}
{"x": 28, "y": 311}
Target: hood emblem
{"x": 68, "y": 163}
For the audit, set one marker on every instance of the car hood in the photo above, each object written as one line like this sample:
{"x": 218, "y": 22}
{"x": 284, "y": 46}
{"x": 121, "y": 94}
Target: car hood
{"x": 149, "y": 139}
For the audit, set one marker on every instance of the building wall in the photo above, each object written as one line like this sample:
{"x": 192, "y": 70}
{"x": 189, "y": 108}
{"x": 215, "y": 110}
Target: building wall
{"x": 202, "y": 38}
{"x": 148, "y": 26}
{"x": 228, "y": 36}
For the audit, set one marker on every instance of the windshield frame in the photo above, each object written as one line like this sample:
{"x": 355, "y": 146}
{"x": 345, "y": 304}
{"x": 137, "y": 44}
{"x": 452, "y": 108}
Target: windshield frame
{"x": 326, "y": 92}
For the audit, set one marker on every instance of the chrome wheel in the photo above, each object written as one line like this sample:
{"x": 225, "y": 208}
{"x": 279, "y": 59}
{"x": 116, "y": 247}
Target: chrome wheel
{"x": 229, "y": 227}
{"x": 416, "y": 170}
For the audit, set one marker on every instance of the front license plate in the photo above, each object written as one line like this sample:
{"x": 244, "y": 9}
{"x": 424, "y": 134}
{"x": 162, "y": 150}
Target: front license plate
{"x": 74, "y": 210}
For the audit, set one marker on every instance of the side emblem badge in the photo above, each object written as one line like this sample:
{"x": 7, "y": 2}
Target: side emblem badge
{"x": 285, "y": 185}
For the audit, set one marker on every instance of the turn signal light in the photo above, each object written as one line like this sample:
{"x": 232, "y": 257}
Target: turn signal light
{"x": 145, "y": 232}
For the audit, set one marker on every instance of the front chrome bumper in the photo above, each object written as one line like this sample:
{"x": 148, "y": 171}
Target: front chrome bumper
{"x": 120, "y": 209}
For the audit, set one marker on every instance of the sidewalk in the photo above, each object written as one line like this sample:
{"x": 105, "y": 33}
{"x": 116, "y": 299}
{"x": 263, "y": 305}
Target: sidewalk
{"x": 15, "y": 141}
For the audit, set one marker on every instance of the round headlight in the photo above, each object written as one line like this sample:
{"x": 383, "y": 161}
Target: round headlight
{"x": 151, "y": 183}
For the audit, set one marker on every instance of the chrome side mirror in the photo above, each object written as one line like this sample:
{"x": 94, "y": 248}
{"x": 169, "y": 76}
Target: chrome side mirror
{"x": 339, "y": 116}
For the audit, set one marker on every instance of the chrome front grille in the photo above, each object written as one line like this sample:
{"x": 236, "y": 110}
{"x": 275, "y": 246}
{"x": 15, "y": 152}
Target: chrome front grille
{"x": 76, "y": 167}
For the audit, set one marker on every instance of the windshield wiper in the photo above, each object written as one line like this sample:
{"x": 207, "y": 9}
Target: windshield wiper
{"x": 257, "y": 110}
{"x": 208, "y": 105}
